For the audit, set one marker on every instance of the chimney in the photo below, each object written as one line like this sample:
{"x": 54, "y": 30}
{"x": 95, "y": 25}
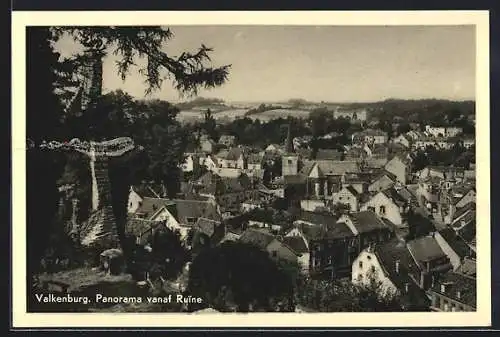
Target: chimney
{"x": 397, "y": 266}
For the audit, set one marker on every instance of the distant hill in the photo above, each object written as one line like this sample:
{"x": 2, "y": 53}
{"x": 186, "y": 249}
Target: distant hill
{"x": 201, "y": 102}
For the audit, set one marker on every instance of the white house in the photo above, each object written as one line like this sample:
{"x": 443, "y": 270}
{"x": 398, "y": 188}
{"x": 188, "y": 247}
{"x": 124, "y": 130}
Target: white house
{"x": 387, "y": 204}
{"x": 347, "y": 196}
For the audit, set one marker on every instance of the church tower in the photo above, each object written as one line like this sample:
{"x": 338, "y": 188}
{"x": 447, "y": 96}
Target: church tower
{"x": 289, "y": 160}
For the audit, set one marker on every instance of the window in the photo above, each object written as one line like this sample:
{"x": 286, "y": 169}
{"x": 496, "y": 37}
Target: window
{"x": 369, "y": 257}
{"x": 382, "y": 210}
{"x": 274, "y": 253}
{"x": 289, "y": 161}
{"x": 372, "y": 209}
{"x": 360, "y": 264}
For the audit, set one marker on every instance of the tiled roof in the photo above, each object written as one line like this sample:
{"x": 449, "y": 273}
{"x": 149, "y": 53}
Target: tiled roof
{"x": 257, "y": 238}
{"x": 457, "y": 283}
{"x": 325, "y": 231}
{"x": 150, "y": 206}
{"x": 456, "y": 243}
{"x": 138, "y": 227}
{"x": 144, "y": 191}
{"x": 425, "y": 249}
{"x": 393, "y": 252}
{"x": 195, "y": 209}
{"x": 206, "y": 226}
{"x": 352, "y": 190}
{"x": 367, "y": 221}
{"x": 337, "y": 167}
{"x": 297, "y": 244}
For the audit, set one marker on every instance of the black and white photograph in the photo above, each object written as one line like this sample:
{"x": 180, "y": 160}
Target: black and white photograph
{"x": 253, "y": 168}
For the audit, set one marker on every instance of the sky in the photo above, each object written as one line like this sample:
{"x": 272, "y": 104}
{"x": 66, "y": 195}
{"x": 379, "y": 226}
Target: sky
{"x": 321, "y": 63}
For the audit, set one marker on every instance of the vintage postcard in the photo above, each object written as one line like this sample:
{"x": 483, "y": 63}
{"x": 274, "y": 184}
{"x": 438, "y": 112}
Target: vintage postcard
{"x": 264, "y": 169}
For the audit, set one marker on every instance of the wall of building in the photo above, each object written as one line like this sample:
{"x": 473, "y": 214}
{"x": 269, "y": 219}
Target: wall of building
{"x": 367, "y": 267}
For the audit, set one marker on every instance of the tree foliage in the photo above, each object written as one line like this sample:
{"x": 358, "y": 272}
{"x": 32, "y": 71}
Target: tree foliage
{"x": 188, "y": 71}
{"x": 240, "y": 277}
{"x": 49, "y": 80}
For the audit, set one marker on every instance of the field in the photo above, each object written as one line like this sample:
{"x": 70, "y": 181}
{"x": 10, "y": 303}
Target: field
{"x": 185, "y": 116}
{"x": 283, "y": 113}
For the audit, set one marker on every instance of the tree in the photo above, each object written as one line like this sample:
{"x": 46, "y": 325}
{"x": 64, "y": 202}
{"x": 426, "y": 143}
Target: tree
{"x": 210, "y": 125}
{"x": 240, "y": 277}
{"x": 343, "y": 296}
{"x": 189, "y": 71}
{"x": 48, "y": 75}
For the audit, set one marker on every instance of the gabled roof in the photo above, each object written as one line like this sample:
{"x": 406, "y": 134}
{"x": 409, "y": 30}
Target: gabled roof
{"x": 456, "y": 283}
{"x": 150, "y": 206}
{"x": 425, "y": 249}
{"x": 206, "y": 226}
{"x": 352, "y": 190}
{"x": 367, "y": 221}
{"x": 257, "y": 238}
{"x": 456, "y": 243}
{"x": 138, "y": 227}
{"x": 296, "y": 243}
{"x": 195, "y": 209}
{"x": 393, "y": 194}
{"x": 145, "y": 191}
{"x": 393, "y": 252}
{"x": 337, "y": 167}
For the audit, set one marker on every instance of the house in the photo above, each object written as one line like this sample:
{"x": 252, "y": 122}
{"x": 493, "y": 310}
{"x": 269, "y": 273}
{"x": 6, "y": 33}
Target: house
{"x": 403, "y": 140}
{"x": 268, "y": 243}
{"x": 254, "y": 162}
{"x": 453, "y": 292}
{"x": 464, "y": 222}
{"x": 455, "y": 199}
{"x": 207, "y": 233}
{"x": 211, "y": 162}
{"x": 142, "y": 229}
{"x": 227, "y": 140}
{"x": 391, "y": 205}
{"x": 332, "y": 246}
{"x": 322, "y": 176}
{"x": 349, "y": 196}
{"x": 400, "y": 167}
{"x": 370, "y": 136}
{"x": 391, "y": 265}
{"x": 454, "y": 247}
{"x": 228, "y": 192}
{"x": 358, "y": 180}
{"x": 429, "y": 191}
{"x": 382, "y": 181}
{"x": 299, "y": 246}
{"x": 274, "y": 148}
{"x": 137, "y": 194}
{"x": 430, "y": 259}
{"x": 367, "y": 227}
{"x": 177, "y": 214}
{"x": 191, "y": 162}
{"x": 234, "y": 157}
